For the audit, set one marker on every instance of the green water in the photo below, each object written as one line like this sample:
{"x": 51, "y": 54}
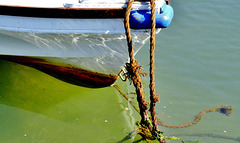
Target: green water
{"x": 36, "y": 107}
{"x": 197, "y": 67}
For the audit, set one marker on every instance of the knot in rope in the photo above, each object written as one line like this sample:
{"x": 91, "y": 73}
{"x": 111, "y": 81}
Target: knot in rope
{"x": 135, "y": 70}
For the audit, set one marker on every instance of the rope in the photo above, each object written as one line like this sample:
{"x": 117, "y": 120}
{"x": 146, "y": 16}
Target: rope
{"x": 227, "y": 110}
{"x": 147, "y": 129}
{"x": 134, "y": 69}
{"x": 153, "y": 97}
{"x": 126, "y": 97}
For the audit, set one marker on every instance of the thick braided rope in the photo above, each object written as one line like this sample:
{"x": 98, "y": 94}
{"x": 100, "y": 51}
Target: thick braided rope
{"x": 134, "y": 68}
{"x": 128, "y": 32}
{"x": 153, "y": 97}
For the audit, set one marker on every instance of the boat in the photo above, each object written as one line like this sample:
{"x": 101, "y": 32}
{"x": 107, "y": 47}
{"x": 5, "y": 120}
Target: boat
{"x": 81, "y": 42}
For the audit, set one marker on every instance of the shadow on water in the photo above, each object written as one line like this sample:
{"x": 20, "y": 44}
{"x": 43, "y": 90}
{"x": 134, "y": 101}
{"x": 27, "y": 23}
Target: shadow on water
{"x": 25, "y": 88}
{"x": 65, "y": 72}
{"x": 19, "y": 89}
{"x": 50, "y": 110}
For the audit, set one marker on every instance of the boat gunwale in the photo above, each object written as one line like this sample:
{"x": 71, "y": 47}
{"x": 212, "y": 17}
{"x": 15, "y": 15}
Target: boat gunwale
{"x": 61, "y": 12}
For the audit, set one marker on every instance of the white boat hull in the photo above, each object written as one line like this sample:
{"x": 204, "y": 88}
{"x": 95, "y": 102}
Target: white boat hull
{"x": 103, "y": 53}
{"x": 94, "y": 46}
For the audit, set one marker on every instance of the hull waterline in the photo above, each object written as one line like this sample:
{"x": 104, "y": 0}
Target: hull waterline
{"x": 82, "y": 43}
{"x": 92, "y": 60}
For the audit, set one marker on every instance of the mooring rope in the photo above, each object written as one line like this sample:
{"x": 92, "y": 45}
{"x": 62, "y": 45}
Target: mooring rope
{"x": 149, "y": 128}
{"x": 227, "y": 110}
{"x": 134, "y": 71}
{"x": 224, "y": 109}
{"x": 153, "y": 97}
{"x": 126, "y": 97}
{"x": 133, "y": 68}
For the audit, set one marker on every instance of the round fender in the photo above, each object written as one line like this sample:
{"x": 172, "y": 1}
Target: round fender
{"x": 141, "y": 19}
{"x": 136, "y": 19}
{"x": 164, "y": 19}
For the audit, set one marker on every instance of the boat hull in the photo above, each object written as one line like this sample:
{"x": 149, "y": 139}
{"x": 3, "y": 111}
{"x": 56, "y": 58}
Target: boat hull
{"x": 103, "y": 53}
{"x": 67, "y": 43}
{"x": 87, "y": 59}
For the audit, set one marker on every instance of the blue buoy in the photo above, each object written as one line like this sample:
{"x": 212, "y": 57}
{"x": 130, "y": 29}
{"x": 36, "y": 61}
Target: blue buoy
{"x": 141, "y": 19}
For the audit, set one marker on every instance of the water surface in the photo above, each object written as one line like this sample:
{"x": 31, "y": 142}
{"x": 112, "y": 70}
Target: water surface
{"x": 197, "y": 67}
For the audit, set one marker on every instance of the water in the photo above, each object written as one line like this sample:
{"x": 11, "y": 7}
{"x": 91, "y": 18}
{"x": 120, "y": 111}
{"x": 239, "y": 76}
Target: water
{"x": 197, "y": 67}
